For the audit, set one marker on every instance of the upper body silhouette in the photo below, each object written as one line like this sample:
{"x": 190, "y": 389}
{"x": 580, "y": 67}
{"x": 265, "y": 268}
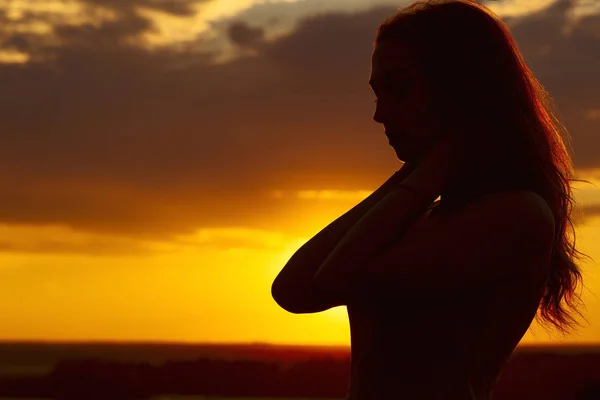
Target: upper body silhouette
{"x": 439, "y": 292}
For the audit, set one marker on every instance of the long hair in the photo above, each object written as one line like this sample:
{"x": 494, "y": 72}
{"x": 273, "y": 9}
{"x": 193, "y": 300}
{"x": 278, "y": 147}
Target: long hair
{"x": 479, "y": 82}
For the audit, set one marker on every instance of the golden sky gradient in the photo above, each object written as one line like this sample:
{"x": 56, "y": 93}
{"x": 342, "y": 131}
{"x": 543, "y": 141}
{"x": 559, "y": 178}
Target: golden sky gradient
{"x": 162, "y": 162}
{"x": 210, "y": 286}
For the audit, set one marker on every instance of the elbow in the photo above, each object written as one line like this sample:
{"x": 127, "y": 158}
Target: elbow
{"x": 296, "y": 300}
{"x": 280, "y": 298}
{"x": 286, "y": 297}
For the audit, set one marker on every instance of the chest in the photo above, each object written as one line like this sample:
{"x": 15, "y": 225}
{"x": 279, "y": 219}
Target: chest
{"x": 426, "y": 225}
{"x": 430, "y": 312}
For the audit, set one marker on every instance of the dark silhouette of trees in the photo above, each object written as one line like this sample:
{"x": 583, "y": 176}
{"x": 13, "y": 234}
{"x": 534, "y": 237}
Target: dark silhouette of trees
{"x": 541, "y": 374}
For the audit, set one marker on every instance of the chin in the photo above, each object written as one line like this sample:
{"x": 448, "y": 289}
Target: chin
{"x": 402, "y": 155}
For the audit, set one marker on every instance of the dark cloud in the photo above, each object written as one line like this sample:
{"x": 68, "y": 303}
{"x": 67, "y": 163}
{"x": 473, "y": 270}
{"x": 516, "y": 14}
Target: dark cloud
{"x": 593, "y": 210}
{"x": 584, "y": 214}
{"x": 103, "y": 135}
{"x": 94, "y": 248}
{"x": 566, "y": 59}
{"x": 245, "y": 35}
{"x": 175, "y": 7}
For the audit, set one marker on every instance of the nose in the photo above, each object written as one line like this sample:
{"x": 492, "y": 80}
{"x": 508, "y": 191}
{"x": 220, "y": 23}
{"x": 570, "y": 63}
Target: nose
{"x": 377, "y": 116}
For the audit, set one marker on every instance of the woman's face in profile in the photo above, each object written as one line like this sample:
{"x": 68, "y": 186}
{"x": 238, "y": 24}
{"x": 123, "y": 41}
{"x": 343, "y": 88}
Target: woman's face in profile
{"x": 402, "y": 102}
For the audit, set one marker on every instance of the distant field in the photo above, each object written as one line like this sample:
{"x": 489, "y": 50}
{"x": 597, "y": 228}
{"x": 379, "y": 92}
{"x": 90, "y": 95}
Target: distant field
{"x": 31, "y": 358}
{"x": 194, "y": 398}
{"x": 227, "y": 398}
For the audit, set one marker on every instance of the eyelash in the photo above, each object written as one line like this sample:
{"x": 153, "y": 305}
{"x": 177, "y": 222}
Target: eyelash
{"x": 402, "y": 88}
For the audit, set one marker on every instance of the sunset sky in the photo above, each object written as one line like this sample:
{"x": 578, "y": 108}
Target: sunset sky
{"x": 162, "y": 160}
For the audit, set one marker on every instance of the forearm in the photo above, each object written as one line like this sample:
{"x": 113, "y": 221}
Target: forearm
{"x": 302, "y": 266}
{"x": 376, "y": 230}
{"x": 343, "y": 272}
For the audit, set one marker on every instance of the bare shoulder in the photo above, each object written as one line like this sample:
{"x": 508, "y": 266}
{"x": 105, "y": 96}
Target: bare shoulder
{"x": 515, "y": 218}
{"x": 524, "y": 206}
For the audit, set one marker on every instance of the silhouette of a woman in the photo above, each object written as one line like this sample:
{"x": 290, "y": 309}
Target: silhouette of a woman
{"x": 440, "y": 292}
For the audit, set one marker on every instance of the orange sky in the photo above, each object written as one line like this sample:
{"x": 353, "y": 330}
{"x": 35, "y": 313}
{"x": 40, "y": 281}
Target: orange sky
{"x": 212, "y": 286}
{"x": 152, "y": 189}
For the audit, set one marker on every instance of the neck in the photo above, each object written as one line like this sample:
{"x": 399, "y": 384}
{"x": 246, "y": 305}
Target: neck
{"x": 467, "y": 189}
{"x": 455, "y": 195}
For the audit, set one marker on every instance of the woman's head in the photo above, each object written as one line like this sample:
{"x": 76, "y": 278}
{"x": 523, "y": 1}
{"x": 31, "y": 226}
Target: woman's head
{"x": 466, "y": 75}
{"x": 402, "y": 100}
{"x": 441, "y": 66}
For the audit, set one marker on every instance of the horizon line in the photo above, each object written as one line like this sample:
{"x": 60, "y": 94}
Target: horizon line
{"x": 253, "y": 343}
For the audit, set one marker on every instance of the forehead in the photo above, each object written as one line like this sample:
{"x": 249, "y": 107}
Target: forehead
{"x": 391, "y": 56}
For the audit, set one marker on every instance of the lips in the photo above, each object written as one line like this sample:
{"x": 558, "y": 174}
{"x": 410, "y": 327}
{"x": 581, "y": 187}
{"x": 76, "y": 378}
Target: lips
{"x": 392, "y": 137}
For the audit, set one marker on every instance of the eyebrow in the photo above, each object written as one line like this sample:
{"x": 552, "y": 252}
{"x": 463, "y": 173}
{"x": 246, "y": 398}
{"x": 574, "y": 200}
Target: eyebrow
{"x": 387, "y": 74}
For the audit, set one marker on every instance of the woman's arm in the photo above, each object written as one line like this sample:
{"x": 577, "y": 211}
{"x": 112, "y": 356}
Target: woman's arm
{"x": 498, "y": 237}
{"x": 380, "y": 227}
{"x": 292, "y": 288}
{"x": 341, "y": 273}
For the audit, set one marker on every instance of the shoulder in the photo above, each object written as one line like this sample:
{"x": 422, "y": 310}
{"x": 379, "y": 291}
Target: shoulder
{"x": 523, "y": 213}
{"x": 515, "y": 204}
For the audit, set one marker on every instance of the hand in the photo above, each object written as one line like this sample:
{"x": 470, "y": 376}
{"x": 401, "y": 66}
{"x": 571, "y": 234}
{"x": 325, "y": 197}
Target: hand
{"x": 404, "y": 172}
{"x": 439, "y": 166}
{"x": 392, "y": 183}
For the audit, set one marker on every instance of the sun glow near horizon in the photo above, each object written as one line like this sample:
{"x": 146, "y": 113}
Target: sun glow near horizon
{"x": 209, "y": 286}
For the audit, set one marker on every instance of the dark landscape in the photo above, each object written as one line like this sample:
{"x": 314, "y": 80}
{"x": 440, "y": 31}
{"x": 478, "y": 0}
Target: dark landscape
{"x": 121, "y": 371}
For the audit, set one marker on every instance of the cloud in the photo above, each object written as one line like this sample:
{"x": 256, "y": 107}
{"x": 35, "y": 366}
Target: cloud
{"x": 56, "y": 239}
{"x": 565, "y": 56}
{"x": 587, "y": 196}
{"x": 179, "y": 7}
{"x": 234, "y": 238}
{"x": 587, "y": 214}
{"x": 593, "y": 210}
{"x": 244, "y": 35}
{"x": 356, "y": 195}
{"x": 105, "y": 135}
{"x": 594, "y": 114}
